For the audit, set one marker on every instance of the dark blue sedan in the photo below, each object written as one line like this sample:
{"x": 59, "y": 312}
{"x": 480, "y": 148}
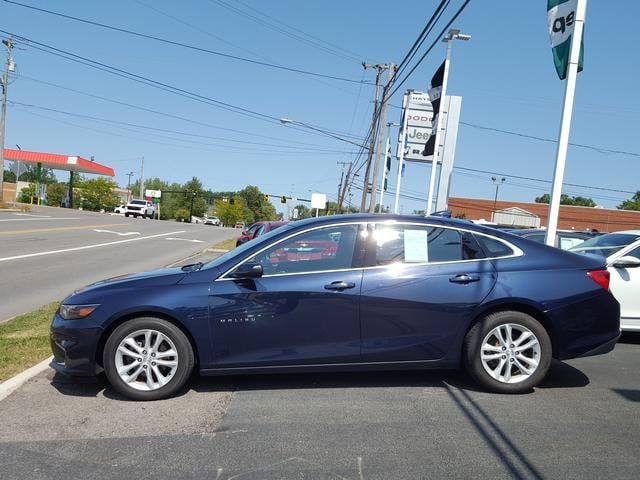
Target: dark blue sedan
{"x": 352, "y": 292}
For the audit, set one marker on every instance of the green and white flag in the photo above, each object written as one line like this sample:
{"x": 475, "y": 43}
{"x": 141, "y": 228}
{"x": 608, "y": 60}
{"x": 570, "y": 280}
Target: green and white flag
{"x": 561, "y": 16}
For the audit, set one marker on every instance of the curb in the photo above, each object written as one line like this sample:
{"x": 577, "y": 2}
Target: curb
{"x": 9, "y": 386}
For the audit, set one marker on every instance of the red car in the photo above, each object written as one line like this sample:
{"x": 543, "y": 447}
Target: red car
{"x": 256, "y": 230}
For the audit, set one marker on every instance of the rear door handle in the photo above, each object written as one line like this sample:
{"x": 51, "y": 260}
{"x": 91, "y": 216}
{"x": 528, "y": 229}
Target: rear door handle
{"x": 464, "y": 278}
{"x": 339, "y": 286}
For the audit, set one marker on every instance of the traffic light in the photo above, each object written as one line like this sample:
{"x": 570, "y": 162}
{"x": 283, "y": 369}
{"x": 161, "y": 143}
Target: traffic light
{"x": 265, "y": 197}
{"x": 283, "y": 199}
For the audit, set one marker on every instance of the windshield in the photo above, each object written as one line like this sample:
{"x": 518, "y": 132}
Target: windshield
{"x": 138, "y": 202}
{"x": 244, "y": 247}
{"x": 605, "y": 245}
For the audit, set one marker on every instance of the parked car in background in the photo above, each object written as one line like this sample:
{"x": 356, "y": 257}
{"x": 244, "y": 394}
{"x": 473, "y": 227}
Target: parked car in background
{"x": 267, "y": 227}
{"x": 140, "y": 208}
{"x": 565, "y": 239}
{"x": 621, "y": 250}
{"x": 247, "y": 234}
{"x": 119, "y": 209}
{"x": 392, "y": 292}
{"x": 239, "y": 225}
{"x": 211, "y": 221}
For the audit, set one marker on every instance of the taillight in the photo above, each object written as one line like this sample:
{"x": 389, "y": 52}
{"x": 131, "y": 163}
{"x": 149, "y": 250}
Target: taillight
{"x": 601, "y": 277}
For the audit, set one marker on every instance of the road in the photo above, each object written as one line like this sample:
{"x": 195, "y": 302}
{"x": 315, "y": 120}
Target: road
{"x": 581, "y": 423}
{"x": 47, "y": 253}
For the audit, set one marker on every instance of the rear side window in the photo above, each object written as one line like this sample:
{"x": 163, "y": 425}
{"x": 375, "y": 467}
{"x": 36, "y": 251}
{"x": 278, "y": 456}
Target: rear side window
{"x": 418, "y": 244}
{"x": 494, "y": 248}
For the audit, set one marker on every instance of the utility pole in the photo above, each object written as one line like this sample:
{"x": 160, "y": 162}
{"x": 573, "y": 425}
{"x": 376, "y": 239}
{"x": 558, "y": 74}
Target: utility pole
{"x": 3, "y": 114}
{"x": 142, "y": 179}
{"x": 495, "y": 199}
{"x": 344, "y": 186}
{"x": 382, "y": 121}
{"x": 340, "y": 185}
{"x": 379, "y": 68}
{"x": 130, "y": 174}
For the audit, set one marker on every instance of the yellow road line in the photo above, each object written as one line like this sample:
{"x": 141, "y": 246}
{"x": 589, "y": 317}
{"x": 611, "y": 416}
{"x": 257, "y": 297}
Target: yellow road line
{"x": 61, "y": 229}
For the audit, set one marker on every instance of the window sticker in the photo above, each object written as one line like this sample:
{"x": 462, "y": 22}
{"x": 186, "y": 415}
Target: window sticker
{"x": 416, "y": 246}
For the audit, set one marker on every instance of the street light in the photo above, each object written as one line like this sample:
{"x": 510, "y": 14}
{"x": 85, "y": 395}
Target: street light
{"x": 495, "y": 199}
{"x": 454, "y": 34}
{"x": 130, "y": 174}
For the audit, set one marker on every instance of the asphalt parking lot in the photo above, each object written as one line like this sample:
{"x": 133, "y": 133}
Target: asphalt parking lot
{"x": 87, "y": 246}
{"x": 582, "y": 422}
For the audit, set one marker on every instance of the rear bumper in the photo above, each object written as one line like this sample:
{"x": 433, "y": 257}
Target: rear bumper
{"x": 602, "y": 349}
{"x": 589, "y": 326}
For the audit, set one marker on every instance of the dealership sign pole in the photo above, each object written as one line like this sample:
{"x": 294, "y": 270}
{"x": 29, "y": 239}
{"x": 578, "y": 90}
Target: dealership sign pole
{"x": 566, "y": 26}
{"x": 401, "y": 149}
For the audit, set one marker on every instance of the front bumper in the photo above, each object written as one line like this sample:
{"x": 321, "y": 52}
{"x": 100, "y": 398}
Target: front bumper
{"x": 74, "y": 345}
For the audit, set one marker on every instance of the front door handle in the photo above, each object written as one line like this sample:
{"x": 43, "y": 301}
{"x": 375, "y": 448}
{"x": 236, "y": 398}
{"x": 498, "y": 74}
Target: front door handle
{"x": 339, "y": 286}
{"x": 464, "y": 278}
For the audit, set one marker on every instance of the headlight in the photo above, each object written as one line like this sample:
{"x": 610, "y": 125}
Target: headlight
{"x": 75, "y": 312}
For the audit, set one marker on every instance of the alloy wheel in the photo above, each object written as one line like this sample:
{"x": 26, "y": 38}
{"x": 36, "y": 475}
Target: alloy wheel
{"x": 510, "y": 353}
{"x": 146, "y": 360}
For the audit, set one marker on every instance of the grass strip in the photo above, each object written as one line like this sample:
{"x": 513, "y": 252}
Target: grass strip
{"x": 228, "y": 244}
{"x": 24, "y": 341}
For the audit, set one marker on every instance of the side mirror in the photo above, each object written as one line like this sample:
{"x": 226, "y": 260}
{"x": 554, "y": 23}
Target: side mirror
{"x": 247, "y": 270}
{"x": 627, "y": 262}
{"x": 244, "y": 232}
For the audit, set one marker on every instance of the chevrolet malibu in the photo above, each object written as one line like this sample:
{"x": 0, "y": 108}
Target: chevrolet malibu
{"x": 352, "y": 292}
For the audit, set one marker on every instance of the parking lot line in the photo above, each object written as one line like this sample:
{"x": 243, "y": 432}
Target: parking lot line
{"x": 87, "y": 247}
{"x": 60, "y": 229}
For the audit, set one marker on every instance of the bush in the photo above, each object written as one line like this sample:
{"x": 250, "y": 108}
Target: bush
{"x": 182, "y": 214}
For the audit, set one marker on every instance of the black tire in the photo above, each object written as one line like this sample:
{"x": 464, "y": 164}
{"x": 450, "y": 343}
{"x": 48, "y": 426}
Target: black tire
{"x": 126, "y": 214}
{"x": 472, "y": 351}
{"x": 183, "y": 347}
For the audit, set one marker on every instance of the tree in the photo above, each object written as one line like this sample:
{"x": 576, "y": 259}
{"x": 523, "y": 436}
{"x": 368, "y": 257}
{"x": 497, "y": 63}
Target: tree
{"x": 9, "y": 176}
{"x": 568, "y": 200}
{"x": 95, "y": 194}
{"x": 27, "y": 194}
{"x": 632, "y": 204}
{"x": 231, "y": 213}
{"x": 55, "y": 194}
{"x": 260, "y": 208}
{"x": 303, "y": 211}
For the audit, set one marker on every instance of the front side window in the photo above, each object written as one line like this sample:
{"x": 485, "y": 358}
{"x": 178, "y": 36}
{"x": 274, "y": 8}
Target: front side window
{"x": 634, "y": 253}
{"x": 423, "y": 244}
{"x": 330, "y": 248}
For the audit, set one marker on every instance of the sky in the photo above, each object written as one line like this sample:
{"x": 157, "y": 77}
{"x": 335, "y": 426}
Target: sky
{"x": 505, "y": 75}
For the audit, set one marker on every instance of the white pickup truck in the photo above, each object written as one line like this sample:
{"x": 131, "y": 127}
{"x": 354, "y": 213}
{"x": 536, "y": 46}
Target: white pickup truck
{"x": 140, "y": 208}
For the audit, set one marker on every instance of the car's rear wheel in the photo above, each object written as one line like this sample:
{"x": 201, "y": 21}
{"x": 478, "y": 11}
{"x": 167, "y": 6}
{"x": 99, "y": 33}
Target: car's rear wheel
{"x": 126, "y": 214}
{"x": 508, "y": 352}
{"x": 147, "y": 359}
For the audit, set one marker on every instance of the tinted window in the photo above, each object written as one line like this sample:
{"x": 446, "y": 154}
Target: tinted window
{"x": 567, "y": 242}
{"x": 138, "y": 202}
{"x": 494, "y": 248}
{"x": 417, "y": 244}
{"x": 328, "y": 248}
{"x": 606, "y": 245}
{"x": 634, "y": 253}
{"x": 536, "y": 237}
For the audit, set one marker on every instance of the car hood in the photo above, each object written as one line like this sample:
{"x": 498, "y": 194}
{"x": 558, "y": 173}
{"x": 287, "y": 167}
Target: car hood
{"x": 163, "y": 276}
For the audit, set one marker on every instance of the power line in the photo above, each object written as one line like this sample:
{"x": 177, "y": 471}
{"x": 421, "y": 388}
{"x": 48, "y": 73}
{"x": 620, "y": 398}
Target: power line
{"x": 550, "y": 140}
{"x": 337, "y": 51}
{"x": 593, "y": 187}
{"x": 183, "y": 45}
{"x": 424, "y": 55}
{"x": 146, "y": 127}
{"x": 150, "y": 82}
{"x": 170, "y": 115}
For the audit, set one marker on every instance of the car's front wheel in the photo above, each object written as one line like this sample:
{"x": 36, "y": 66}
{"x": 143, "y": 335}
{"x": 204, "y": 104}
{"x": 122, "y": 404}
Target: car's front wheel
{"x": 508, "y": 352}
{"x": 147, "y": 359}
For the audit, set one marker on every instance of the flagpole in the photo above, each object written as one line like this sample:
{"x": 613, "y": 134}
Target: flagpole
{"x": 565, "y": 124}
{"x": 436, "y": 143}
{"x": 384, "y": 172}
{"x": 400, "y": 151}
